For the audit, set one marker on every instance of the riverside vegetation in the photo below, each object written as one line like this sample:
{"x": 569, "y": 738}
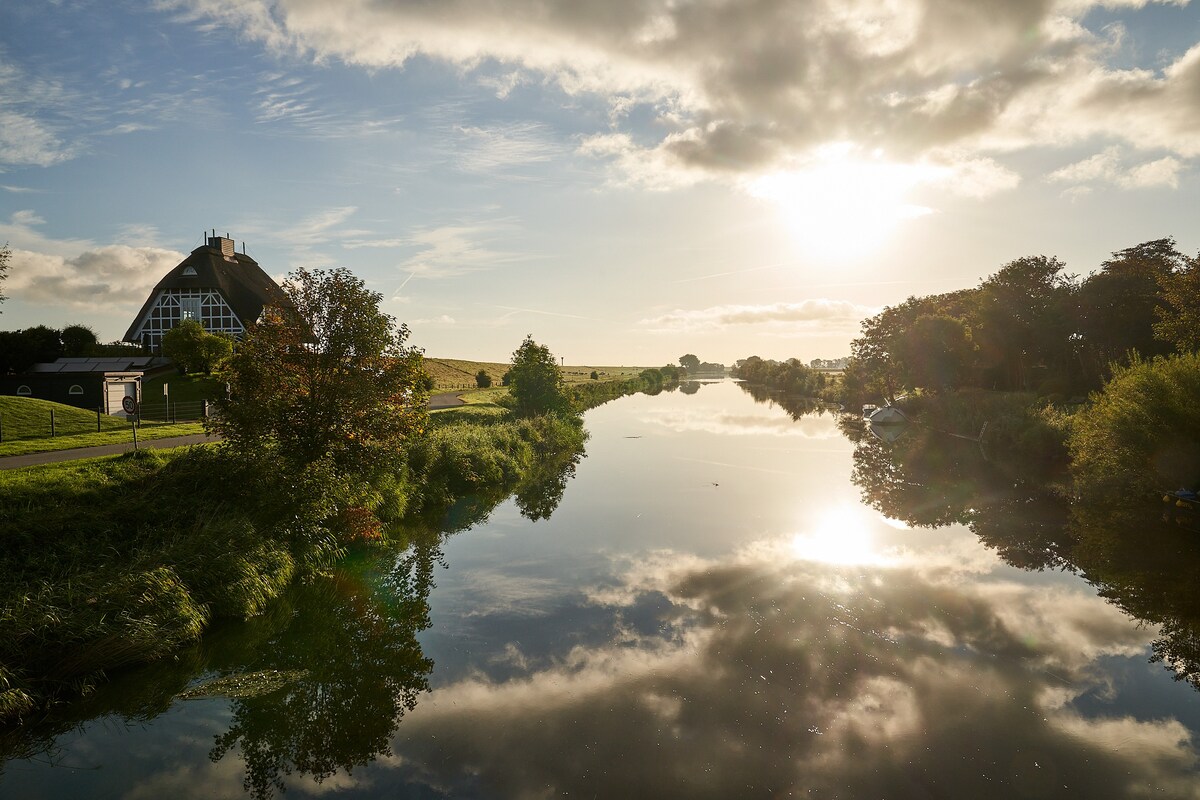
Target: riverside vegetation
{"x": 1100, "y": 375}
{"x": 328, "y": 446}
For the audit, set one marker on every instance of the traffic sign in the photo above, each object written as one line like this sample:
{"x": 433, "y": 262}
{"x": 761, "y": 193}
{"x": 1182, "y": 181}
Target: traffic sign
{"x": 129, "y": 405}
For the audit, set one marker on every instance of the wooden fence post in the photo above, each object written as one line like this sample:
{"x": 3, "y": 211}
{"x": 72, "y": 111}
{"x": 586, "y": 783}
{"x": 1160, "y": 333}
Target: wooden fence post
{"x": 52, "y": 423}
{"x": 98, "y": 419}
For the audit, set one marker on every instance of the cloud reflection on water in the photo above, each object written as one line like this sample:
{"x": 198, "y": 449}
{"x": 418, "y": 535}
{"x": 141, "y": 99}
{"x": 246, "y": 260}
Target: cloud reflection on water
{"x": 770, "y": 675}
{"x": 719, "y": 422}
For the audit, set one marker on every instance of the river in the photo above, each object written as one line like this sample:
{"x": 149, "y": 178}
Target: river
{"x": 730, "y": 598}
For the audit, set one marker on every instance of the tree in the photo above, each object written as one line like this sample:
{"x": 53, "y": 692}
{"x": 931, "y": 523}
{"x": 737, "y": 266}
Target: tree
{"x": 326, "y": 378}
{"x": 937, "y": 353}
{"x": 1178, "y": 319}
{"x": 1119, "y": 304}
{"x": 78, "y": 341}
{"x": 689, "y": 362}
{"x": 536, "y": 385}
{"x": 1023, "y": 319}
{"x": 194, "y": 349}
{"x": 482, "y": 379}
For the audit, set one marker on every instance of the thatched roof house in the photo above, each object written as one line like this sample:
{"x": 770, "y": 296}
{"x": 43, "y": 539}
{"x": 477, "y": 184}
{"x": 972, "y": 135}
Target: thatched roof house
{"x": 223, "y": 289}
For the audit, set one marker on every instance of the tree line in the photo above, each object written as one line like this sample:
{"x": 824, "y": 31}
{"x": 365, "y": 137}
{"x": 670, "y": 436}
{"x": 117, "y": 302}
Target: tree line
{"x": 1033, "y": 327}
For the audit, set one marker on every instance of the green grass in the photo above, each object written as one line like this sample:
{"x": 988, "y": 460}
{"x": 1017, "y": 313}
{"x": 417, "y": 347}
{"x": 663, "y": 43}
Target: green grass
{"x": 119, "y": 436}
{"x": 183, "y": 388}
{"x": 28, "y": 418}
{"x": 453, "y": 373}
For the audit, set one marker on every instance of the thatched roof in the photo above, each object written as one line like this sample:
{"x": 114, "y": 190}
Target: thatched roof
{"x": 239, "y": 278}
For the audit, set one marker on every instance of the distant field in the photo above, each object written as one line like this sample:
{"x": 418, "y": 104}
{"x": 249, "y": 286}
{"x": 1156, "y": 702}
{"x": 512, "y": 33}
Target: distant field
{"x": 452, "y": 373}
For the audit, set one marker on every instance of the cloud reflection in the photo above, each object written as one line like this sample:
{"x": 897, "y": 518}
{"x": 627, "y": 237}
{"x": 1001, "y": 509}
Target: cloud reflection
{"x": 721, "y": 423}
{"x": 760, "y": 681}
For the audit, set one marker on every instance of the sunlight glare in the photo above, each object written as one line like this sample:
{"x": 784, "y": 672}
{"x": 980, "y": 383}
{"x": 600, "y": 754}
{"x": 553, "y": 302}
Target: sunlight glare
{"x": 842, "y": 206}
{"x": 838, "y": 536}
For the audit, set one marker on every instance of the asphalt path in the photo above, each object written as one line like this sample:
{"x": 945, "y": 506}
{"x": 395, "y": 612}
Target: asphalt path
{"x": 444, "y": 400}
{"x": 32, "y": 459}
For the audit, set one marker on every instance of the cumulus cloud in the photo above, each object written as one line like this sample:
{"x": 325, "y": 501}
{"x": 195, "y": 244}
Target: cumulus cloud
{"x": 78, "y": 272}
{"x": 97, "y": 278}
{"x": 744, "y": 88}
{"x": 819, "y": 314}
{"x": 1108, "y": 166}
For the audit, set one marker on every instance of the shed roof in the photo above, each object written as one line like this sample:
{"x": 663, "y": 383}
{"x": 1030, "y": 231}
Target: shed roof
{"x": 132, "y": 363}
{"x": 243, "y": 283}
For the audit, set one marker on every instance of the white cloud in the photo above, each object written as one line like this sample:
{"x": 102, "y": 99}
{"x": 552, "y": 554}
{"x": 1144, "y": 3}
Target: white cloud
{"x": 831, "y": 315}
{"x": 743, "y": 89}
{"x": 446, "y": 250}
{"x": 1108, "y": 167}
{"x": 78, "y": 272}
{"x": 97, "y": 279}
{"x": 24, "y": 141}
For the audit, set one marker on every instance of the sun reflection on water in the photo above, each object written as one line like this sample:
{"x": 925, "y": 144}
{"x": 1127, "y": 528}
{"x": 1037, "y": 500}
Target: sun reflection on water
{"x": 839, "y": 535}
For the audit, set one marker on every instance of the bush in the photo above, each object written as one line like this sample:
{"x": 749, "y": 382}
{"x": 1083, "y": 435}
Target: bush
{"x": 482, "y": 379}
{"x": 1141, "y": 432}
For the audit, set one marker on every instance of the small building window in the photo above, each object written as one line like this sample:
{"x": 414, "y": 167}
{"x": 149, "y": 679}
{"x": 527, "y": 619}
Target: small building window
{"x": 75, "y": 389}
{"x": 23, "y": 391}
{"x": 189, "y": 272}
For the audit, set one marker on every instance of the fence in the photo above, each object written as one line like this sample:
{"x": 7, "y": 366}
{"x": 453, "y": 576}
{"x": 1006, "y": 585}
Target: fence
{"x": 51, "y": 425}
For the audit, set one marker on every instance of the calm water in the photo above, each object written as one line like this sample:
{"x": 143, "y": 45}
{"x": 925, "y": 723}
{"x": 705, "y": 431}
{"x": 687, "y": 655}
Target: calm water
{"x": 730, "y": 600}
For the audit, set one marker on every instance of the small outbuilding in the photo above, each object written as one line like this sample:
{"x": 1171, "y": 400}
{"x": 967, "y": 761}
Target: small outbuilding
{"x": 91, "y": 383}
{"x": 219, "y": 287}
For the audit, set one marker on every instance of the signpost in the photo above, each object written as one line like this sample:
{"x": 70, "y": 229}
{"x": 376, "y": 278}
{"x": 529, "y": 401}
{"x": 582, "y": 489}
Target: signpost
{"x": 129, "y": 406}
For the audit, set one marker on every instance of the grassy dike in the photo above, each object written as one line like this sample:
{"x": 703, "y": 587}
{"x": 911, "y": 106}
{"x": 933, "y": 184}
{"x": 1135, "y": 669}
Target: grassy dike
{"x": 116, "y": 561}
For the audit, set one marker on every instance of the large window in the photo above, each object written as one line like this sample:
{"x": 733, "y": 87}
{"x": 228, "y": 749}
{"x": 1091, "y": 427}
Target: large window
{"x": 172, "y": 305}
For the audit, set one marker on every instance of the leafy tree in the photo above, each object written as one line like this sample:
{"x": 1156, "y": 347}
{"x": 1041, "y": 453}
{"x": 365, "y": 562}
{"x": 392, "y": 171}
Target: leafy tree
{"x": 482, "y": 379}
{"x": 194, "y": 349}
{"x": 595, "y": 375}
{"x": 1119, "y": 304}
{"x": 1178, "y": 318}
{"x": 1023, "y": 320}
{"x": 536, "y": 385}
{"x": 936, "y": 353}
{"x": 689, "y": 362}
{"x": 326, "y": 378}
{"x": 78, "y": 341}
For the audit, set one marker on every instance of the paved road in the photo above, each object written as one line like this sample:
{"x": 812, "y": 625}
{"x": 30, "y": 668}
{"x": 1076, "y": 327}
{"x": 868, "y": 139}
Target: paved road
{"x": 445, "y": 400}
{"x": 12, "y": 462}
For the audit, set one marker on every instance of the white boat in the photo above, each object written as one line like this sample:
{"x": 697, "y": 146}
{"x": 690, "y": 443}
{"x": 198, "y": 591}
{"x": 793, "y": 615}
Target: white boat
{"x": 888, "y": 415}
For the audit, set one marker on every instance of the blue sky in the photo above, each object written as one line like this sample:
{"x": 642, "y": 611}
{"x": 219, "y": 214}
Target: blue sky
{"x": 627, "y": 181}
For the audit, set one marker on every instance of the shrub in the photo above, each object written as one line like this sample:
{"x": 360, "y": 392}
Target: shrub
{"x": 1141, "y": 432}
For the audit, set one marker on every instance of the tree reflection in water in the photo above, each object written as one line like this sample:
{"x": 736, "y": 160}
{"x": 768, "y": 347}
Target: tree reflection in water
{"x": 317, "y": 684}
{"x": 1142, "y": 559}
{"x": 358, "y": 668}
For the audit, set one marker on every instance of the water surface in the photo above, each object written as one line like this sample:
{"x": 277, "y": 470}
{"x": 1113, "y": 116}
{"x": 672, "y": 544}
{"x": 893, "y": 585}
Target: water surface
{"x": 731, "y": 600}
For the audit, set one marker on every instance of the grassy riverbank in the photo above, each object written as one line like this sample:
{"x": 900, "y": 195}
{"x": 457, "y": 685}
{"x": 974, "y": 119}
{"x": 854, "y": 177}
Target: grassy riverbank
{"x": 115, "y": 561}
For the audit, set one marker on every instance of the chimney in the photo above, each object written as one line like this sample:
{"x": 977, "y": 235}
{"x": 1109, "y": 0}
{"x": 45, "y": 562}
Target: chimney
{"x": 222, "y": 243}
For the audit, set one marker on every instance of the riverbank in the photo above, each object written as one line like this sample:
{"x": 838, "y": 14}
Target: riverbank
{"x": 116, "y": 561}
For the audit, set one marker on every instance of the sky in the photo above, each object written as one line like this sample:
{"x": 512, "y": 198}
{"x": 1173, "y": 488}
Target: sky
{"x": 627, "y": 180}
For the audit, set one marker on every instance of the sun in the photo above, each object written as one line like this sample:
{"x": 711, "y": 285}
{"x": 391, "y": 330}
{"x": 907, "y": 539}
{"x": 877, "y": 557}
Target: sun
{"x": 842, "y": 206}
